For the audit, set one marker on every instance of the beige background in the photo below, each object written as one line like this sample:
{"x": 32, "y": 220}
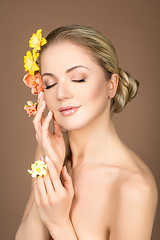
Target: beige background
{"x": 134, "y": 29}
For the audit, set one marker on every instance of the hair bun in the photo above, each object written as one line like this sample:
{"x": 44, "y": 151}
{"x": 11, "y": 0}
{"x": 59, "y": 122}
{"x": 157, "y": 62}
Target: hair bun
{"x": 126, "y": 91}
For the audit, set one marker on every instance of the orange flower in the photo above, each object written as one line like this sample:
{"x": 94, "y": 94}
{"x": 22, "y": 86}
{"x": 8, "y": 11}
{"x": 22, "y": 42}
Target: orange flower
{"x": 34, "y": 82}
{"x": 31, "y": 108}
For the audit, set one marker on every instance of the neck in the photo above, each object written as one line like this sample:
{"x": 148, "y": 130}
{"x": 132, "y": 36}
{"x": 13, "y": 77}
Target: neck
{"x": 94, "y": 143}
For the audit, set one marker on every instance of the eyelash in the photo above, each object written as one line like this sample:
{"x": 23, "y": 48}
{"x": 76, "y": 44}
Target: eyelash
{"x": 81, "y": 80}
{"x": 47, "y": 87}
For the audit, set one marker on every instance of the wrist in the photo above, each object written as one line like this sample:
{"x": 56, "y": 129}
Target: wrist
{"x": 65, "y": 231}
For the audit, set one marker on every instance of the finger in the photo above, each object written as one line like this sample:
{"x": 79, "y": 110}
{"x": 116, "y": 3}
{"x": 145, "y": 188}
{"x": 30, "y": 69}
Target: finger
{"x": 37, "y": 121}
{"x": 40, "y": 99}
{"x": 41, "y": 189}
{"x": 42, "y": 159}
{"x": 57, "y": 129}
{"x": 45, "y": 126}
{"x": 54, "y": 176}
{"x": 36, "y": 193}
{"x": 67, "y": 180}
{"x": 49, "y": 187}
{"x": 40, "y": 102}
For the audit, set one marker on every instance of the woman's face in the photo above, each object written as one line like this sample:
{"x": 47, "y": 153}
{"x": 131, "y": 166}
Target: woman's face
{"x": 62, "y": 66}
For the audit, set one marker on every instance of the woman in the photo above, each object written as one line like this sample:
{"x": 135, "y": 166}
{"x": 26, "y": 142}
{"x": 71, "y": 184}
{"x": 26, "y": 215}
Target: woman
{"x": 108, "y": 192}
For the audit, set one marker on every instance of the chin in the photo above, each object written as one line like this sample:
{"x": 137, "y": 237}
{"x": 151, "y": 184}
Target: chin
{"x": 71, "y": 127}
{"x": 74, "y": 124}
{"x": 71, "y": 124}
{"x": 76, "y": 121}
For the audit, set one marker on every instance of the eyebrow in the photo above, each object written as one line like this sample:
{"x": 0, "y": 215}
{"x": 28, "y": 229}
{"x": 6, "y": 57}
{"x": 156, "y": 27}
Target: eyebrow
{"x": 75, "y": 67}
{"x": 67, "y": 71}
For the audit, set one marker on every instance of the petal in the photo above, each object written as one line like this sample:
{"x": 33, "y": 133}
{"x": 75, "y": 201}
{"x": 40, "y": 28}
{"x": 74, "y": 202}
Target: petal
{"x": 29, "y": 55}
{"x": 34, "y": 91}
{"x": 30, "y": 65}
{"x": 29, "y": 80}
{"x": 38, "y": 75}
{"x": 34, "y": 68}
{"x": 35, "y": 54}
{"x": 35, "y": 40}
{"x": 39, "y": 84}
{"x": 43, "y": 42}
{"x": 29, "y": 103}
{"x": 34, "y": 174}
{"x": 39, "y": 34}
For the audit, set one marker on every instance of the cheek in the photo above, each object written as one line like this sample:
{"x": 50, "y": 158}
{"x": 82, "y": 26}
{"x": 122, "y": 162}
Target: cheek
{"x": 50, "y": 100}
{"x": 96, "y": 93}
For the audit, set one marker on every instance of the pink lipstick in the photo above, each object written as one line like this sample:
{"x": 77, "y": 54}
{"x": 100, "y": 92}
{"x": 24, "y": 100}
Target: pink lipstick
{"x": 67, "y": 110}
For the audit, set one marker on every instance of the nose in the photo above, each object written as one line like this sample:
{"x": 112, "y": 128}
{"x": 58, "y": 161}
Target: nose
{"x": 63, "y": 91}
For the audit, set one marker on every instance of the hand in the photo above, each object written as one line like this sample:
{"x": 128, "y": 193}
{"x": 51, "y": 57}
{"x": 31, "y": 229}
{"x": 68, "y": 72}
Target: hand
{"x": 54, "y": 200}
{"x": 52, "y": 145}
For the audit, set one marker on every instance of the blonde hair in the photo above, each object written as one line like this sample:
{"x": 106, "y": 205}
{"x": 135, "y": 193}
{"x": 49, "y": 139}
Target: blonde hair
{"x": 104, "y": 54}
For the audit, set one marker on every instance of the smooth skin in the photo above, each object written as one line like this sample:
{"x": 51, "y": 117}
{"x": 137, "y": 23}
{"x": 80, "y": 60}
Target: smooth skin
{"x": 109, "y": 193}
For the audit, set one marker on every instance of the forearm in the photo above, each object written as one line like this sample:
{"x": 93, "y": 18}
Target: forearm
{"x": 32, "y": 227}
{"x": 66, "y": 232}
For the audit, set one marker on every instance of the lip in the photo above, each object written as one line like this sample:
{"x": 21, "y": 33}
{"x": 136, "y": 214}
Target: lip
{"x": 67, "y": 108}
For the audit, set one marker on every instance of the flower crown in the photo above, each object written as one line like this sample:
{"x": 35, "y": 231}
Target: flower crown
{"x": 33, "y": 78}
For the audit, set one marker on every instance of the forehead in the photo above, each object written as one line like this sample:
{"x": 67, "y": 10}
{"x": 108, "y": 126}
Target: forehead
{"x": 64, "y": 55}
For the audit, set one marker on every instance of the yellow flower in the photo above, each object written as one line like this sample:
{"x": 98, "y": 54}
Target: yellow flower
{"x": 38, "y": 169}
{"x": 36, "y": 41}
{"x": 30, "y": 64}
{"x": 35, "y": 54}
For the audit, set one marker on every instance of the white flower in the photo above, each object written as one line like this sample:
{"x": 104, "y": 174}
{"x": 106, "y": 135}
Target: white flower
{"x": 38, "y": 169}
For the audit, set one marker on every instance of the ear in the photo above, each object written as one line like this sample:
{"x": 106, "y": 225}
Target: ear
{"x": 113, "y": 85}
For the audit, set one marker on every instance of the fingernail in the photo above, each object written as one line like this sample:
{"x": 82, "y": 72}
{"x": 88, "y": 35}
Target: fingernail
{"x": 47, "y": 158}
{"x": 43, "y": 102}
{"x": 50, "y": 112}
{"x": 65, "y": 168}
{"x": 39, "y": 95}
{"x": 42, "y": 158}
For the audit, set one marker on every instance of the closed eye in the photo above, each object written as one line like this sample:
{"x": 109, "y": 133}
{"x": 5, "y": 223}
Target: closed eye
{"x": 81, "y": 80}
{"x": 47, "y": 87}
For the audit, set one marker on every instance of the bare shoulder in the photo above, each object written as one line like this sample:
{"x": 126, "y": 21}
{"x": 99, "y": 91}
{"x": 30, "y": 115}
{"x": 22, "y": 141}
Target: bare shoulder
{"x": 138, "y": 186}
{"x": 138, "y": 181}
{"x": 135, "y": 178}
{"x": 134, "y": 206}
